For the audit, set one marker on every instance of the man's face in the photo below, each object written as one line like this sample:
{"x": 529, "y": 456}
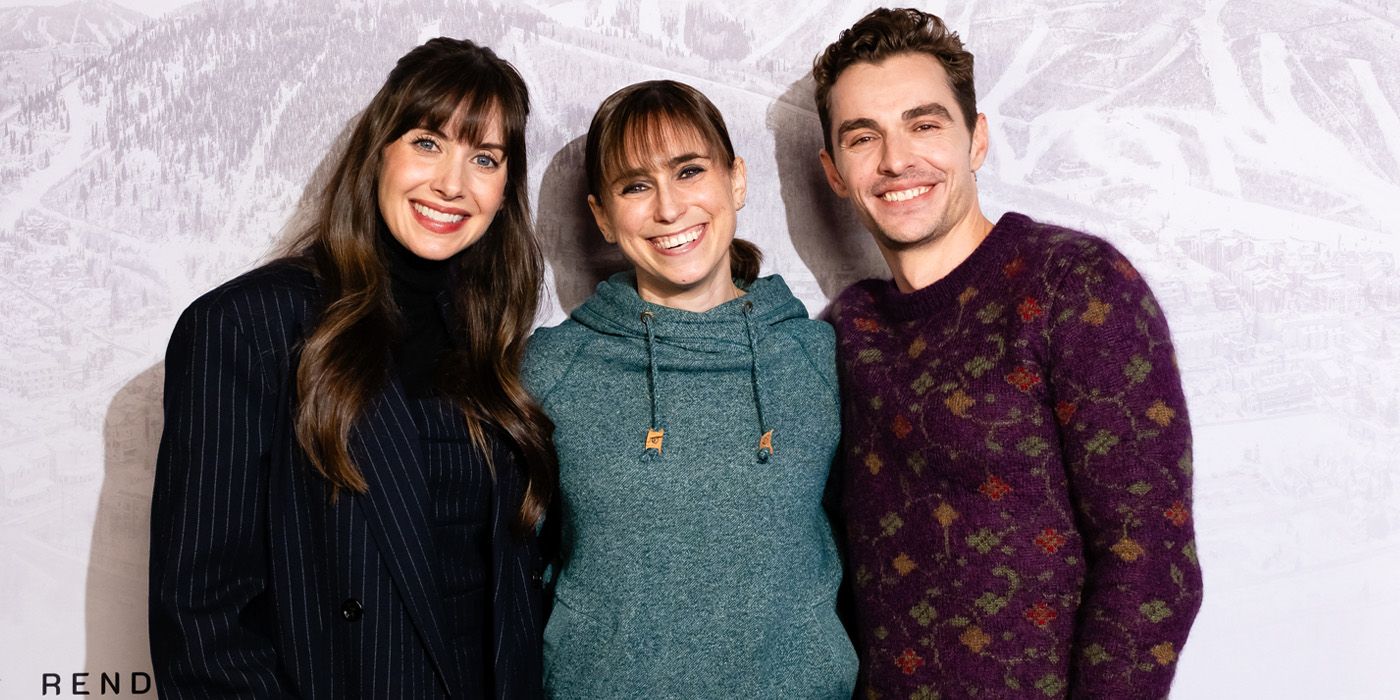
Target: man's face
{"x": 901, "y": 151}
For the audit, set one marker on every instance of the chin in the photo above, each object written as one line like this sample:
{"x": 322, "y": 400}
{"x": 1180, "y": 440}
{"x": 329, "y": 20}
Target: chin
{"x": 905, "y": 240}
{"x": 440, "y": 250}
{"x": 431, "y": 253}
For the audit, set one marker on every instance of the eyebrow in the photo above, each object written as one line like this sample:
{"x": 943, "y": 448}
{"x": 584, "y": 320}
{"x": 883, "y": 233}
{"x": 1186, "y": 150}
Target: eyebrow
{"x": 923, "y": 110}
{"x": 635, "y": 172}
{"x": 853, "y": 124}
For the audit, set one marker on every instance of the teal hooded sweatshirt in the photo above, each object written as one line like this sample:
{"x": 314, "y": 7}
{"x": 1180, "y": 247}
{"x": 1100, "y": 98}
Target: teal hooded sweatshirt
{"x": 698, "y": 563}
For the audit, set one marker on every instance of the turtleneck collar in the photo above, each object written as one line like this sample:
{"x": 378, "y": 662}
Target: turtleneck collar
{"x": 413, "y": 274}
{"x": 420, "y": 289}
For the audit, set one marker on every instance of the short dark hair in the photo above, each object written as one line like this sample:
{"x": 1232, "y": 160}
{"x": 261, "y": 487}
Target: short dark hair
{"x": 887, "y": 32}
{"x": 638, "y": 120}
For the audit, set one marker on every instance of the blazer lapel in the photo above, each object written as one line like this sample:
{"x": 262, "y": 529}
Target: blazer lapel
{"x": 385, "y": 446}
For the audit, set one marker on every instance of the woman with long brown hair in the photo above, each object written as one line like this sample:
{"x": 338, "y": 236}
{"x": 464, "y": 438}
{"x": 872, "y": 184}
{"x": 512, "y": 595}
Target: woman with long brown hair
{"x": 351, "y": 472}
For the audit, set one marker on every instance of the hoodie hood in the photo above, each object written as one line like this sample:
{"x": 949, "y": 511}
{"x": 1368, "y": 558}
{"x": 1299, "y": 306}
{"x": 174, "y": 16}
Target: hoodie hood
{"x": 726, "y": 337}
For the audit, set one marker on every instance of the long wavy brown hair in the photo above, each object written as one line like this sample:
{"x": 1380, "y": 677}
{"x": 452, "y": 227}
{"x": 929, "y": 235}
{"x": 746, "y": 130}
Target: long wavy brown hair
{"x": 445, "y": 83}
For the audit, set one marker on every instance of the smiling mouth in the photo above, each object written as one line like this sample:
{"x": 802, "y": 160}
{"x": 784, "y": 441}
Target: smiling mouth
{"x": 441, "y": 217}
{"x": 905, "y": 195}
{"x": 679, "y": 239}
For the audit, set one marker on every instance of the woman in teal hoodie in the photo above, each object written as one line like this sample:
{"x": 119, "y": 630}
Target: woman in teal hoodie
{"x": 696, "y": 416}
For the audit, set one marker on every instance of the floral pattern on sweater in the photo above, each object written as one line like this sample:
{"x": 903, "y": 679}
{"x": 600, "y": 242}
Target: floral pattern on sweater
{"x": 1017, "y": 473}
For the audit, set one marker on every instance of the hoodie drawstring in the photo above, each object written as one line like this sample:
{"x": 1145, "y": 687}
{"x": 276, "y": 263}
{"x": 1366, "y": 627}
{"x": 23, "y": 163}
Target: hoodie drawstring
{"x": 765, "y": 441}
{"x": 656, "y": 433}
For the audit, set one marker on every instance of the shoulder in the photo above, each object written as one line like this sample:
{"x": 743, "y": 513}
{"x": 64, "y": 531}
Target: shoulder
{"x": 1065, "y": 251}
{"x": 549, "y": 355}
{"x": 278, "y": 281}
{"x": 856, "y": 300}
{"x": 270, "y": 303}
{"x": 778, "y": 306}
{"x": 817, "y": 339}
{"x": 815, "y": 336}
{"x": 1091, "y": 286}
{"x": 556, "y": 342}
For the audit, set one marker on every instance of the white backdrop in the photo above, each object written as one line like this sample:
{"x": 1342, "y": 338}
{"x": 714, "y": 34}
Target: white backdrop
{"x": 1245, "y": 154}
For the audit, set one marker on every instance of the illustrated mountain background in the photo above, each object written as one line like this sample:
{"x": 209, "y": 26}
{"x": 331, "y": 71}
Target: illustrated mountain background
{"x": 1246, "y": 156}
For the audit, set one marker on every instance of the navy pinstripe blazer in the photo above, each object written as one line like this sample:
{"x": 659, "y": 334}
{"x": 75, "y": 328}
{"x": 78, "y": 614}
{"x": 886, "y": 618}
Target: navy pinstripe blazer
{"x": 260, "y": 585}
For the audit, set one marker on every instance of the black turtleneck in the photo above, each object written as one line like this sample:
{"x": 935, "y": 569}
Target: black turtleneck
{"x": 421, "y": 290}
{"x": 459, "y": 483}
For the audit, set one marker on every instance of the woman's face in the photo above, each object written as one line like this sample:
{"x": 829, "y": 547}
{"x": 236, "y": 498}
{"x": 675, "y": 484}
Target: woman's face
{"x": 438, "y": 195}
{"x": 674, "y": 219}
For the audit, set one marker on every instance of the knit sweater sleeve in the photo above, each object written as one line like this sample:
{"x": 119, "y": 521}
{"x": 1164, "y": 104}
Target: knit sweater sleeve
{"x": 1127, "y": 450}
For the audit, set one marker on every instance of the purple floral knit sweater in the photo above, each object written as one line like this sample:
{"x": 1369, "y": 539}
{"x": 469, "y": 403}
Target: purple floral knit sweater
{"x": 1017, "y": 481}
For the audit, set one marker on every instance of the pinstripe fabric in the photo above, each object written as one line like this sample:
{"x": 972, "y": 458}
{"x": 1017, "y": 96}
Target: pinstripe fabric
{"x": 251, "y": 564}
{"x": 459, "y": 482}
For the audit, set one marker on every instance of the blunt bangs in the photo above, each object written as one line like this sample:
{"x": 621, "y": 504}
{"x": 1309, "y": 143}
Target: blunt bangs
{"x": 639, "y": 122}
{"x": 656, "y": 133}
{"x": 463, "y": 109}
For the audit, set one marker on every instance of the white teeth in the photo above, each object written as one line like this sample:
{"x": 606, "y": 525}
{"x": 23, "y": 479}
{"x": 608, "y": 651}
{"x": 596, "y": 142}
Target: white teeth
{"x": 678, "y": 240}
{"x": 902, "y": 195}
{"x": 436, "y": 215}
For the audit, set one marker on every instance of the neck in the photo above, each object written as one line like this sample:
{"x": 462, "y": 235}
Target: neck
{"x": 919, "y": 266}
{"x": 698, "y": 300}
{"x": 412, "y": 273}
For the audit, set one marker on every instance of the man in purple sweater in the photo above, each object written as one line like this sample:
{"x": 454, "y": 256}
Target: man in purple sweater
{"x": 1017, "y": 482}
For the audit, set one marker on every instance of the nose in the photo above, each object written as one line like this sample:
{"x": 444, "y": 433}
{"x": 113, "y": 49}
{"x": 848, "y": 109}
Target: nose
{"x": 895, "y": 155}
{"x": 450, "y": 178}
{"x": 668, "y": 204}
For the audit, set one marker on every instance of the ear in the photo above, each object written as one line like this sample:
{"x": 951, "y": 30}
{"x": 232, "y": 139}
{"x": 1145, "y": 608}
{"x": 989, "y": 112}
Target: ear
{"x": 833, "y": 178}
{"x": 980, "y": 142}
{"x": 739, "y": 182}
{"x": 600, "y": 217}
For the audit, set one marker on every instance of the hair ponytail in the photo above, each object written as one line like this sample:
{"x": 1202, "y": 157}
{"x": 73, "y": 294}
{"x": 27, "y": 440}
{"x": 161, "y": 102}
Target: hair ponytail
{"x": 744, "y": 260}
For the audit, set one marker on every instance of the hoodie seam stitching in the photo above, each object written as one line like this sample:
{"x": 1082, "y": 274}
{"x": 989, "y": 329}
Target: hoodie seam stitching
{"x": 573, "y": 360}
{"x": 812, "y": 362}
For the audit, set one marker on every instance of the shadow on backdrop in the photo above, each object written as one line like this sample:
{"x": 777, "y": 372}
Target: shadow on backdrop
{"x": 115, "y": 617}
{"x": 309, "y": 203}
{"x": 824, "y": 229}
{"x": 116, "y": 595}
{"x": 116, "y": 600}
{"x": 571, "y": 242}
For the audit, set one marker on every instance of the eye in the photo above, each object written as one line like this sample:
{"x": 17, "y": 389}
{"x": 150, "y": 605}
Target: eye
{"x": 689, "y": 172}
{"x": 425, "y": 143}
{"x": 486, "y": 161}
{"x": 925, "y": 126}
{"x": 633, "y": 188}
{"x": 860, "y": 140}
